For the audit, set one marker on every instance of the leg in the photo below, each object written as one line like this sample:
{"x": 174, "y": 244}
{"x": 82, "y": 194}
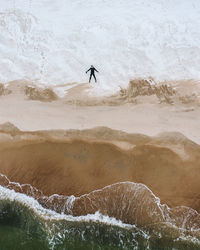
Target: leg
{"x": 90, "y": 77}
{"x": 94, "y": 77}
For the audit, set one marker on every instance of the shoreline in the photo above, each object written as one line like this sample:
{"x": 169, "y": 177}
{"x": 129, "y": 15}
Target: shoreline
{"x": 71, "y": 162}
{"x": 138, "y": 139}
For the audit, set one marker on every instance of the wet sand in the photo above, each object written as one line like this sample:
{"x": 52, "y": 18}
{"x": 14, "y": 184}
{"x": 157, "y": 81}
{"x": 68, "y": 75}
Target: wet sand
{"x": 78, "y": 162}
{"x": 58, "y": 147}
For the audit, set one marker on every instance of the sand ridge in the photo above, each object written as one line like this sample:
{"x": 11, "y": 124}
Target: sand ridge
{"x": 79, "y": 109}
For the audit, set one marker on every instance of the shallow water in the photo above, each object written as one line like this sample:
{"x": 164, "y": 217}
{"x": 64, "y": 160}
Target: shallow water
{"x": 124, "y": 215}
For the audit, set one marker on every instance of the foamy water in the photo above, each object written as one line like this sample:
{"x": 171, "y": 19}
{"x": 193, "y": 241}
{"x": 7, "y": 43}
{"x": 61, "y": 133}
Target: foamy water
{"x": 64, "y": 229}
{"x": 121, "y": 195}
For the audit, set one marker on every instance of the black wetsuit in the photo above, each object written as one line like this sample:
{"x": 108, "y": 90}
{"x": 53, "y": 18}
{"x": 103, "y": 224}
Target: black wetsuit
{"x": 92, "y": 73}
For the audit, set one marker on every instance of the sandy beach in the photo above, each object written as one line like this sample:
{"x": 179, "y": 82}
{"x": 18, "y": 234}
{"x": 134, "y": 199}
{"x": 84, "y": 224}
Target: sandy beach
{"x": 147, "y": 116}
{"x": 81, "y": 142}
{"x": 99, "y": 125}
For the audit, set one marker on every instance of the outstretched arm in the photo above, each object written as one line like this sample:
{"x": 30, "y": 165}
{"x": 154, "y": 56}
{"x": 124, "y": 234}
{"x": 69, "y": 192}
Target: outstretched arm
{"x": 87, "y": 71}
{"x": 96, "y": 70}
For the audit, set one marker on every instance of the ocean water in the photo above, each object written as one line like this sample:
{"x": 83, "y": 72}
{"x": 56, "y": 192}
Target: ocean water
{"x": 124, "y": 215}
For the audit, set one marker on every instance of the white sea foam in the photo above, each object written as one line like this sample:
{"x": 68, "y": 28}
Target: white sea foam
{"x": 47, "y": 214}
{"x": 138, "y": 195}
{"x": 54, "y": 41}
{"x": 53, "y": 235}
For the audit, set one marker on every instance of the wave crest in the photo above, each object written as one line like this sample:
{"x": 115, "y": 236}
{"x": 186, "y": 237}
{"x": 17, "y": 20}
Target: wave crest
{"x": 131, "y": 203}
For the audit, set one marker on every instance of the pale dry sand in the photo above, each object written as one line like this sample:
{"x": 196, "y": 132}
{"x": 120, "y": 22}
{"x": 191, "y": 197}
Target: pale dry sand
{"x": 77, "y": 111}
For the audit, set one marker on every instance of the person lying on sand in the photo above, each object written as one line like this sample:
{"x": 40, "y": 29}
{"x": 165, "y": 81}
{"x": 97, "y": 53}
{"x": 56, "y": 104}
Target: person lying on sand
{"x": 92, "y": 73}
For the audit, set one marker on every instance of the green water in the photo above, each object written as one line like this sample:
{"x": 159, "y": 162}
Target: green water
{"x": 22, "y": 229}
{"x": 17, "y": 239}
{"x": 26, "y": 225}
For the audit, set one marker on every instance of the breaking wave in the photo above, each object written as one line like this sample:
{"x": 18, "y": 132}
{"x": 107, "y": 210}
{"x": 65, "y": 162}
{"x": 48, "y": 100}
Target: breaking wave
{"x": 123, "y": 215}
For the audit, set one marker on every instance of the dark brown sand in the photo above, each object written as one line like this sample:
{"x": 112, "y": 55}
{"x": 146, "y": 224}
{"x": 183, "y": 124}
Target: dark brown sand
{"x": 78, "y": 162}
